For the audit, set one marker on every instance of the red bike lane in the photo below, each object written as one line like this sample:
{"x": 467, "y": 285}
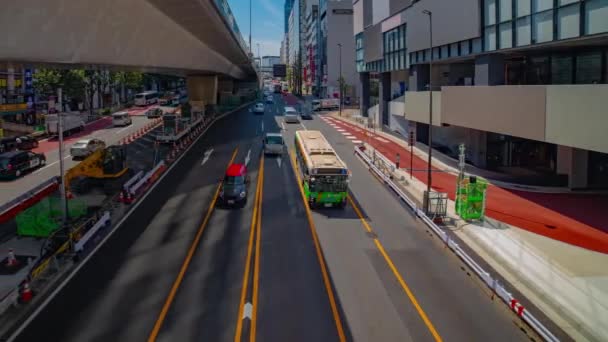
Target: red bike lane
{"x": 576, "y": 219}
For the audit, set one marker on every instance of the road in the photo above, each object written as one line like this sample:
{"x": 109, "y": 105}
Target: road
{"x": 182, "y": 268}
{"x": 101, "y": 130}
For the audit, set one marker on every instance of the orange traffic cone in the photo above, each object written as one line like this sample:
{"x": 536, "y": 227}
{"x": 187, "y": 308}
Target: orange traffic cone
{"x": 26, "y": 292}
{"x": 69, "y": 194}
{"x": 11, "y": 261}
{"x": 121, "y": 197}
{"x": 128, "y": 198}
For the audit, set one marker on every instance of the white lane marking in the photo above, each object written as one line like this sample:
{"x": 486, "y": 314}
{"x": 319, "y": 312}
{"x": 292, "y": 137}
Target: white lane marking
{"x": 341, "y": 130}
{"x": 262, "y": 125}
{"x": 123, "y": 129}
{"x": 301, "y": 124}
{"x": 357, "y": 142}
{"x": 283, "y": 126}
{"x": 247, "y": 310}
{"x": 381, "y": 139}
{"x": 248, "y": 157}
{"x": 279, "y": 161}
{"x": 207, "y": 156}
{"x": 47, "y": 166}
{"x": 346, "y": 134}
{"x": 350, "y": 137}
{"x": 82, "y": 263}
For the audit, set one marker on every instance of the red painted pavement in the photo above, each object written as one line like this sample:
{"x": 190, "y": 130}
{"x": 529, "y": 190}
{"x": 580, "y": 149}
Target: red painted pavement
{"x": 577, "y": 219}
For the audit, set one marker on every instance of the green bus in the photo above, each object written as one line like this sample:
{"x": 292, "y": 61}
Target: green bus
{"x": 324, "y": 175}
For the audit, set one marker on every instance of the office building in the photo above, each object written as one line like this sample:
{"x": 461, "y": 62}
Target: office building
{"x": 521, "y": 82}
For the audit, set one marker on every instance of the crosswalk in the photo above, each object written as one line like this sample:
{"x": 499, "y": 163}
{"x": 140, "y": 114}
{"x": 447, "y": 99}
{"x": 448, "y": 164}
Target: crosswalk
{"x": 347, "y": 130}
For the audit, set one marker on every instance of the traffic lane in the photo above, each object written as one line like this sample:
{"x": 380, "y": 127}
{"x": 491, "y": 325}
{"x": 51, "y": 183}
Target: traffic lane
{"x": 293, "y": 302}
{"x": 14, "y": 188}
{"x": 120, "y": 291}
{"x": 459, "y": 306}
{"x": 372, "y": 311}
{"x": 206, "y": 305}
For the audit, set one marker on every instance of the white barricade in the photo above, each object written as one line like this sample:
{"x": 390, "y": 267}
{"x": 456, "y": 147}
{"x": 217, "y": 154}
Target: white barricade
{"x": 133, "y": 179}
{"x": 506, "y": 296}
{"x": 105, "y": 218}
{"x": 133, "y": 190}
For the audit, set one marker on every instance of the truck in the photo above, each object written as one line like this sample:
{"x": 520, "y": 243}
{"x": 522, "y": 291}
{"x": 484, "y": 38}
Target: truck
{"x": 175, "y": 127}
{"x": 325, "y": 104}
{"x": 72, "y": 122}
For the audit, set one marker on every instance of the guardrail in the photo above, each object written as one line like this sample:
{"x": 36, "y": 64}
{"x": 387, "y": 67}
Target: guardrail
{"x": 133, "y": 179}
{"x": 487, "y": 278}
{"x": 9, "y": 209}
{"x": 103, "y": 220}
{"x": 133, "y": 190}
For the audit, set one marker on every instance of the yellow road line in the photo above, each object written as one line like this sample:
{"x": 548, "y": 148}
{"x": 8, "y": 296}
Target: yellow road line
{"x": 186, "y": 263}
{"x": 313, "y": 231}
{"x": 397, "y": 275}
{"x": 256, "y": 269}
{"x": 239, "y": 322}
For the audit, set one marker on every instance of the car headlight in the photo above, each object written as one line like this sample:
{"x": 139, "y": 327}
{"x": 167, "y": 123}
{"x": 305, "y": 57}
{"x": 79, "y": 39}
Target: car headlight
{"x": 242, "y": 194}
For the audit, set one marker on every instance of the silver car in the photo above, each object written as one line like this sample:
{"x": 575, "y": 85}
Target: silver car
{"x": 84, "y": 148}
{"x": 291, "y": 115}
{"x": 274, "y": 143}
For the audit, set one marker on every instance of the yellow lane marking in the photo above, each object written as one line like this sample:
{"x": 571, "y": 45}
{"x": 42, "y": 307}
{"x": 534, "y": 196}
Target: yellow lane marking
{"x": 313, "y": 231}
{"x": 256, "y": 270}
{"x": 186, "y": 263}
{"x": 239, "y": 322}
{"x": 397, "y": 275}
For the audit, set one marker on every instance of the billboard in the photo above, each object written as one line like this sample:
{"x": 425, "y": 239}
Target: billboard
{"x": 279, "y": 70}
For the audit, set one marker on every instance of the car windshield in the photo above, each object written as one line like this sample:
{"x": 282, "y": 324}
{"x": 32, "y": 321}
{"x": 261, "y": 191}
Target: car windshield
{"x": 274, "y": 140}
{"x": 80, "y": 144}
{"x": 234, "y": 180}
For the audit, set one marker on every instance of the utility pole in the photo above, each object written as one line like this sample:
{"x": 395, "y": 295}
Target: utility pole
{"x": 250, "y": 47}
{"x": 62, "y": 188}
{"x": 430, "y": 140}
{"x": 340, "y": 80}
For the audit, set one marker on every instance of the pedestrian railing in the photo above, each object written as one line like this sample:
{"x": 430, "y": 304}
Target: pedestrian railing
{"x": 493, "y": 283}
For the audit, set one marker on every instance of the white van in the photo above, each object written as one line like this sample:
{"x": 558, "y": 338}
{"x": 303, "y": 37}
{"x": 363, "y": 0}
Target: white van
{"x": 274, "y": 143}
{"x": 121, "y": 119}
{"x": 291, "y": 115}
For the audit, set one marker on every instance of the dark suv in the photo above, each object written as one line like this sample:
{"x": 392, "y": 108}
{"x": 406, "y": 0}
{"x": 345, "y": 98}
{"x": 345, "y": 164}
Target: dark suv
{"x": 19, "y": 143}
{"x": 234, "y": 186}
{"x": 16, "y": 163}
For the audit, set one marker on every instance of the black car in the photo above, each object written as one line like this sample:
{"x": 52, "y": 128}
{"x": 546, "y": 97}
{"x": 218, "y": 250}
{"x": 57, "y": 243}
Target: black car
{"x": 306, "y": 116}
{"x": 234, "y": 186}
{"x": 17, "y": 143}
{"x": 16, "y": 163}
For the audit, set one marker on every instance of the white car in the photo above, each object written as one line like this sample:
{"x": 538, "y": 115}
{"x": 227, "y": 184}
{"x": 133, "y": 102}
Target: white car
{"x": 258, "y": 108}
{"x": 291, "y": 115}
{"x": 274, "y": 143}
{"x": 84, "y": 148}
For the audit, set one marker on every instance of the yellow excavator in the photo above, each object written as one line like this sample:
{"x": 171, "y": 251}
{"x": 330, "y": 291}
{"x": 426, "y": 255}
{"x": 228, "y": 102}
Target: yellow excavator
{"x": 105, "y": 167}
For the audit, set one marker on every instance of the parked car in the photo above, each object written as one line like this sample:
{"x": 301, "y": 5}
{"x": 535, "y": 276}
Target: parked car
{"x": 18, "y": 143}
{"x": 291, "y": 115}
{"x": 234, "y": 186}
{"x": 258, "y": 108}
{"x": 84, "y": 148}
{"x": 154, "y": 113}
{"x": 14, "y": 164}
{"x": 269, "y": 99}
{"x": 306, "y": 116}
{"x": 274, "y": 143}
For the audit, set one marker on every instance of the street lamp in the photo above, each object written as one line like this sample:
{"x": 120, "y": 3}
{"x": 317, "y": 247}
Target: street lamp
{"x": 430, "y": 142}
{"x": 340, "y": 80}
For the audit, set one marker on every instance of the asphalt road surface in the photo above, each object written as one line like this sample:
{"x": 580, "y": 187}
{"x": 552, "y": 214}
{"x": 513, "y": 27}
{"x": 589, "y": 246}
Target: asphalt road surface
{"x": 176, "y": 269}
{"x": 109, "y": 134}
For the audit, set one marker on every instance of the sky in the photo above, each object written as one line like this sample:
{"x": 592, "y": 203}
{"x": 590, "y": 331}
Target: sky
{"x": 267, "y": 24}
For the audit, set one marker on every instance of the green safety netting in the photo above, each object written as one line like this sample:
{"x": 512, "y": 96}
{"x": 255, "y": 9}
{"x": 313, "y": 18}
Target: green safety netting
{"x": 471, "y": 197}
{"x": 43, "y": 218}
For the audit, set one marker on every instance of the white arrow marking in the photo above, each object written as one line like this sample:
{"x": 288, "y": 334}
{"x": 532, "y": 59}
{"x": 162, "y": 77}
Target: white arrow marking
{"x": 248, "y": 158}
{"x": 207, "y": 156}
{"x": 279, "y": 161}
{"x": 262, "y": 126}
{"x": 283, "y": 125}
{"x": 247, "y": 310}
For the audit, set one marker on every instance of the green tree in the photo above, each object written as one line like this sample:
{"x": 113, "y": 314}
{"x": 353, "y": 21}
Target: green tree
{"x": 47, "y": 81}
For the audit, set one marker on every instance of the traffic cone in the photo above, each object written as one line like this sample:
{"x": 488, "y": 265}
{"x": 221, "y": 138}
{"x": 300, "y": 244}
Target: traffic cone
{"x": 26, "y": 292}
{"x": 121, "y": 197}
{"x": 11, "y": 261}
{"x": 69, "y": 195}
{"x": 128, "y": 198}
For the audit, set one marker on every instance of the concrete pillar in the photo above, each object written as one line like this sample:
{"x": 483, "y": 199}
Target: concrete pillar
{"x": 385, "y": 97}
{"x": 202, "y": 88}
{"x": 573, "y": 162}
{"x": 10, "y": 79}
{"x": 419, "y": 77}
{"x": 489, "y": 70}
{"x": 364, "y": 93}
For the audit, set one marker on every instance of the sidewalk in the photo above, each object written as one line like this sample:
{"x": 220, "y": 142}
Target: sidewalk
{"x": 573, "y": 218}
{"x": 569, "y": 284}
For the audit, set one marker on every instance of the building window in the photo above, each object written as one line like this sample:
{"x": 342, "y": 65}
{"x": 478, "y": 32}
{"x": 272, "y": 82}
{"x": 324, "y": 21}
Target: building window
{"x": 568, "y": 22}
{"x": 561, "y": 70}
{"x": 490, "y": 38}
{"x": 506, "y": 10}
{"x": 465, "y": 48}
{"x": 523, "y": 8}
{"x": 541, "y": 5}
{"x": 523, "y": 31}
{"x": 566, "y": 2}
{"x": 589, "y": 68}
{"x": 444, "y": 51}
{"x": 477, "y": 45}
{"x": 489, "y": 12}
{"x": 506, "y": 35}
{"x": 542, "y": 27}
{"x": 596, "y": 12}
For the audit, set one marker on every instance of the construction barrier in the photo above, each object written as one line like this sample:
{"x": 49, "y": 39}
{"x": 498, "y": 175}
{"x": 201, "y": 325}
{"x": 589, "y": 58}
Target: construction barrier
{"x": 133, "y": 179}
{"x": 83, "y": 244}
{"x": 491, "y": 282}
{"x": 137, "y": 186}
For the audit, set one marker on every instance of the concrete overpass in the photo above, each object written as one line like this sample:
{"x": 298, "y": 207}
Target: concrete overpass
{"x": 194, "y": 38}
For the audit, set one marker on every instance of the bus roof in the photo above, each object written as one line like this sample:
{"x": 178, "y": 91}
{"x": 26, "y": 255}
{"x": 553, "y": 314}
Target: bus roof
{"x": 319, "y": 153}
